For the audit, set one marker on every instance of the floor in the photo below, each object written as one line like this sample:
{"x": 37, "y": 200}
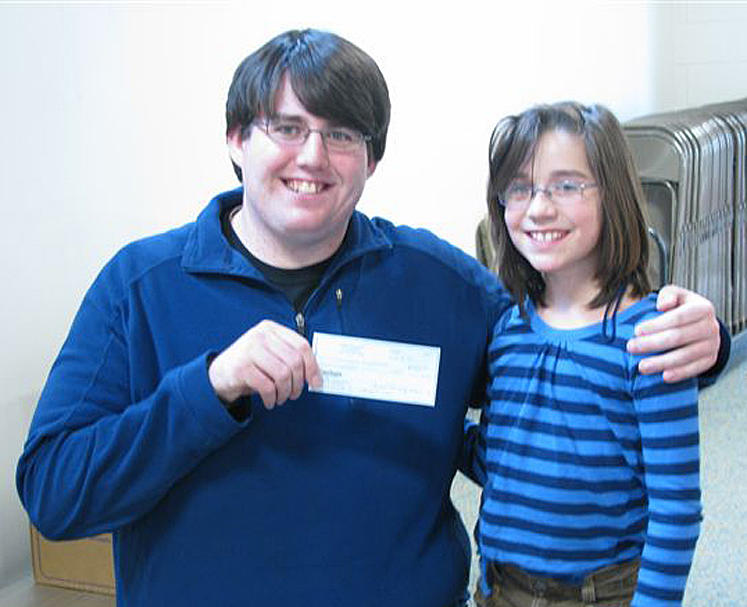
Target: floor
{"x": 25, "y": 593}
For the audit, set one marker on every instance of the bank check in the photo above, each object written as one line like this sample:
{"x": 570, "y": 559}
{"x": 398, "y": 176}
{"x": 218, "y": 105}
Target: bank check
{"x": 377, "y": 369}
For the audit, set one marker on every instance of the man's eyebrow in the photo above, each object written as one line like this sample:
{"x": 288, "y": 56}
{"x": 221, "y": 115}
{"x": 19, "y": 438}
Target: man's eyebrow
{"x": 334, "y": 124}
{"x": 288, "y": 118}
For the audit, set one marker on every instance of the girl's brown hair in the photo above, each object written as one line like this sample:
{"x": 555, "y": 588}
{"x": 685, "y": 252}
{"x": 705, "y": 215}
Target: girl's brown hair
{"x": 623, "y": 242}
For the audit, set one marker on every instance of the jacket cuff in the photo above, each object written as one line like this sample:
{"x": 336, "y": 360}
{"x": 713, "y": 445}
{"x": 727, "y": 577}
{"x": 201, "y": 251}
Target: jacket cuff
{"x": 198, "y": 394}
{"x": 709, "y": 377}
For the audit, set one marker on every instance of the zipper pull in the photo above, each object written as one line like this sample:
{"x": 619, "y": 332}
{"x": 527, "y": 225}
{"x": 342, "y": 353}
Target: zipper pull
{"x": 301, "y": 324}
{"x": 338, "y": 295}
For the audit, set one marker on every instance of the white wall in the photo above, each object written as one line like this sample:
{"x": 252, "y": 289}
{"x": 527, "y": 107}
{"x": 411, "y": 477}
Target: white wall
{"x": 701, "y": 53}
{"x": 112, "y": 122}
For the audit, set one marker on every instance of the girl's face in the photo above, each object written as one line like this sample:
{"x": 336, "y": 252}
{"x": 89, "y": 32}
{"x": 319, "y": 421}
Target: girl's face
{"x": 557, "y": 232}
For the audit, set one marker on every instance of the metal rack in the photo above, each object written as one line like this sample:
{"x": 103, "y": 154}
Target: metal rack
{"x": 692, "y": 165}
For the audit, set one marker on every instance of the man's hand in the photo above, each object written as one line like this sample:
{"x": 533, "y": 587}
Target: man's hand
{"x": 688, "y": 328}
{"x": 270, "y": 360}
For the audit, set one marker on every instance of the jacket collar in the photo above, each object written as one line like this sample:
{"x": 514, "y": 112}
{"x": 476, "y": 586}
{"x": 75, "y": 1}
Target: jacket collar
{"x": 207, "y": 250}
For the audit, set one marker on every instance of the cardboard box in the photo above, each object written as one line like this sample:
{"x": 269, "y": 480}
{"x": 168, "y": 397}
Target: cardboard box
{"x": 86, "y": 564}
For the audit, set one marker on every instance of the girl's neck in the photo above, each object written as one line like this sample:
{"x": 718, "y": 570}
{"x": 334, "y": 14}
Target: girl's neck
{"x": 567, "y": 303}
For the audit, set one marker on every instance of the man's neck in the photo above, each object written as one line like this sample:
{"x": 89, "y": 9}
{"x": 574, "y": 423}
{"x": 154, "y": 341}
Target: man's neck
{"x": 297, "y": 284}
{"x": 283, "y": 255}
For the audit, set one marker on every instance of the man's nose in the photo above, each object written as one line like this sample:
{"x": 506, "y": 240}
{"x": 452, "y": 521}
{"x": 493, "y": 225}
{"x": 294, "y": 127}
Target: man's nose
{"x": 313, "y": 151}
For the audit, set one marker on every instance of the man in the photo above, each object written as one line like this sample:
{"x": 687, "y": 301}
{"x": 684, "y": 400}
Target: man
{"x": 159, "y": 419}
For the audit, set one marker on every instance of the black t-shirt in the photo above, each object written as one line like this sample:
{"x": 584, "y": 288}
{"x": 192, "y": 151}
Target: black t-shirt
{"x": 297, "y": 284}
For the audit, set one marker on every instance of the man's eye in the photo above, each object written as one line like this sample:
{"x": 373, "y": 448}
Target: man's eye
{"x": 286, "y": 129}
{"x": 341, "y": 136}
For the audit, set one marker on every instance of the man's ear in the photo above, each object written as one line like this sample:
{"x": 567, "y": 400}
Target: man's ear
{"x": 234, "y": 142}
{"x": 371, "y": 167}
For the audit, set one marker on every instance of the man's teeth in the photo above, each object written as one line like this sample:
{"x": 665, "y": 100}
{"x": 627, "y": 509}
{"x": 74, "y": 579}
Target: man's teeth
{"x": 305, "y": 187}
{"x": 546, "y": 236}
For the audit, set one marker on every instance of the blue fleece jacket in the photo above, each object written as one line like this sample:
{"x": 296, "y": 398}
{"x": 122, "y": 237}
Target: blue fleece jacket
{"x": 326, "y": 500}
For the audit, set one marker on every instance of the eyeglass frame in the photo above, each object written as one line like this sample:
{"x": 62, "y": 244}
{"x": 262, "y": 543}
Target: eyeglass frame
{"x": 264, "y": 125}
{"x": 547, "y": 191}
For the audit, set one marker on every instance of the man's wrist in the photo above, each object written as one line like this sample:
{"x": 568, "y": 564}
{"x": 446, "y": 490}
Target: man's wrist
{"x": 239, "y": 408}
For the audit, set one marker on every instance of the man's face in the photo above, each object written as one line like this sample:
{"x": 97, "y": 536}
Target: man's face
{"x": 298, "y": 199}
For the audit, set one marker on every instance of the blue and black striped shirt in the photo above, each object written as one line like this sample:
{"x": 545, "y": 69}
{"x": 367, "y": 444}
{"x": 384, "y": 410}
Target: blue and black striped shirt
{"x": 586, "y": 462}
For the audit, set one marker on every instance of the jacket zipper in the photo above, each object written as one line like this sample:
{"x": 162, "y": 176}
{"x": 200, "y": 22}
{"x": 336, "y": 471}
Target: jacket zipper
{"x": 300, "y": 319}
{"x": 301, "y": 324}
{"x": 338, "y": 297}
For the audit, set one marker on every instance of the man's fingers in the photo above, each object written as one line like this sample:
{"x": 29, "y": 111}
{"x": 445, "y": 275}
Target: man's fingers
{"x": 670, "y": 296}
{"x": 665, "y": 339}
{"x": 678, "y": 318}
{"x": 687, "y": 333}
{"x": 312, "y": 372}
{"x": 679, "y": 364}
{"x": 681, "y": 307}
{"x": 270, "y": 360}
{"x": 271, "y": 379}
{"x": 675, "y": 329}
{"x": 671, "y": 376}
{"x": 296, "y": 352}
{"x": 306, "y": 363}
{"x": 260, "y": 384}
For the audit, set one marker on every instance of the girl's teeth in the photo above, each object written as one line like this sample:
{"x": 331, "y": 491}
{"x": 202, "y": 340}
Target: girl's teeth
{"x": 547, "y": 236}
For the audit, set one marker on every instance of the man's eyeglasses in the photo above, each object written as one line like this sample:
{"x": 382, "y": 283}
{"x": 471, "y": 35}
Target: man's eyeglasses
{"x": 560, "y": 192}
{"x": 292, "y": 133}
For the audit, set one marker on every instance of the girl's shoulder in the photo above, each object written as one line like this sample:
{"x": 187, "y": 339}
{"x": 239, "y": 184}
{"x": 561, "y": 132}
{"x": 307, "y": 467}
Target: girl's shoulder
{"x": 634, "y": 310}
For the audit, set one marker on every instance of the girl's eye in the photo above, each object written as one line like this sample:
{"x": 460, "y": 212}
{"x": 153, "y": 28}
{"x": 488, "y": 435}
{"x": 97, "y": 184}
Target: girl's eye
{"x": 520, "y": 189}
{"x": 566, "y": 187}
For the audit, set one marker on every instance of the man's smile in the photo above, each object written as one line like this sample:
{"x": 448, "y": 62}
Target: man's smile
{"x": 303, "y": 186}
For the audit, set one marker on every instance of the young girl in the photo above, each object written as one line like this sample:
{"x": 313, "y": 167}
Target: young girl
{"x": 590, "y": 469}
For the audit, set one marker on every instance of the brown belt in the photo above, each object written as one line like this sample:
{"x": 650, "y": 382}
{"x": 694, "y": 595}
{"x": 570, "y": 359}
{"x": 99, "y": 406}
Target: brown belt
{"x": 604, "y": 583}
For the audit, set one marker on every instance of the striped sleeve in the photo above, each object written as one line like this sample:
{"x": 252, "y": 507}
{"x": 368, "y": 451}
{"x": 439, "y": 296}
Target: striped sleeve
{"x": 668, "y": 424}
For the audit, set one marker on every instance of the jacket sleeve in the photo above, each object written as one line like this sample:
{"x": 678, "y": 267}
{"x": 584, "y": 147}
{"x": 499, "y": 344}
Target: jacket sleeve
{"x": 711, "y": 375}
{"x": 668, "y": 423}
{"x": 472, "y": 455}
{"x": 472, "y": 459}
{"x": 99, "y": 455}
